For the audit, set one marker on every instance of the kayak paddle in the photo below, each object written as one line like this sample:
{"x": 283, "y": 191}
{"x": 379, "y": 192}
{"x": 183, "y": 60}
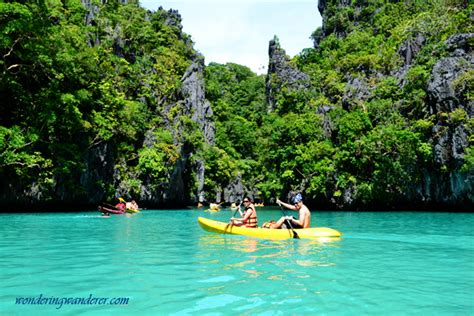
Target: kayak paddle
{"x": 238, "y": 209}
{"x": 295, "y": 235}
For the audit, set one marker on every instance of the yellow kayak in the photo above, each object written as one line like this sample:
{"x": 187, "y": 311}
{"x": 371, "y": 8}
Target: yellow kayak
{"x": 226, "y": 228}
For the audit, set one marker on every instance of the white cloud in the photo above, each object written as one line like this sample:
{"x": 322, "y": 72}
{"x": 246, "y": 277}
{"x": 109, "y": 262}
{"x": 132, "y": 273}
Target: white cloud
{"x": 239, "y": 31}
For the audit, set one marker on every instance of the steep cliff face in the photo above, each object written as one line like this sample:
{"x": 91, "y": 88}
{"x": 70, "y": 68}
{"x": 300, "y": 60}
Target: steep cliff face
{"x": 450, "y": 136}
{"x": 186, "y": 179}
{"x": 185, "y": 182}
{"x": 442, "y": 95}
{"x": 138, "y": 127}
{"x": 195, "y": 101}
{"x": 195, "y": 105}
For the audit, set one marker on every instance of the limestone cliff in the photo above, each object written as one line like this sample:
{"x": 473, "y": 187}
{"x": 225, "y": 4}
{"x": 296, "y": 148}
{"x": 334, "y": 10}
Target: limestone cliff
{"x": 160, "y": 88}
{"x": 199, "y": 109}
{"x": 450, "y": 137}
{"x": 445, "y": 183}
{"x": 189, "y": 102}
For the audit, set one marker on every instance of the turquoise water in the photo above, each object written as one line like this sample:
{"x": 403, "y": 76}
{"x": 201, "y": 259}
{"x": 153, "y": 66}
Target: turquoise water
{"x": 165, "y": 264}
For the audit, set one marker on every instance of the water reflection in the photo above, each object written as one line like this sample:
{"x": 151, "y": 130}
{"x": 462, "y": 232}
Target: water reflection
{"x": 237, "y": 264}
{"x": 246, "y": 253}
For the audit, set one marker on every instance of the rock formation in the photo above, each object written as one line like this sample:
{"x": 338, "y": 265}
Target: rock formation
{"x": 281, "y": 74}
{"x": 196, "y": 106}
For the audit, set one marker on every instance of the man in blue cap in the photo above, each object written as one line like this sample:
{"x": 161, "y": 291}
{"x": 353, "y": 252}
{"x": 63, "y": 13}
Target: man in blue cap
{"x": 304, "y": 220}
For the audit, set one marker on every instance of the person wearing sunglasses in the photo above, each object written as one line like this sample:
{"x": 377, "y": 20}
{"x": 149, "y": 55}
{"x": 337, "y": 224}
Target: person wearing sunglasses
{"x": 303, "y": 220}
{"x": 249, "y": 217}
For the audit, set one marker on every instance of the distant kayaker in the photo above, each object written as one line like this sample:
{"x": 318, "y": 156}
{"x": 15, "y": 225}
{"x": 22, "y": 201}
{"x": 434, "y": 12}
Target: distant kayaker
{"x": 121, "y": 205}
{"x": 249, "y": 218}
{"x": 119, "y": 208}
{"x": 304, "y": 220}
{"x": 133, "y": 206}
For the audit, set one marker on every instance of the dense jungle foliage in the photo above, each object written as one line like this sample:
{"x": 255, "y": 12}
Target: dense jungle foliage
{"x": 75, "y": 78}
{"x": 78, "y": 78}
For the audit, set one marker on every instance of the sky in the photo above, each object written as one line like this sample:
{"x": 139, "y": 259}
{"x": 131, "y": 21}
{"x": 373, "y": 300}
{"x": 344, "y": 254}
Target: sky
{"x": 239, "y": 31}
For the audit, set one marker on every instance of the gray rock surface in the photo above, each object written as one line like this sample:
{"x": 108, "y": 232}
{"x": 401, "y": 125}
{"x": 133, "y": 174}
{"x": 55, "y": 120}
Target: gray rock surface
{"x": 450, "y": 138}
{"x": 195, "y": 101}
{"x": 442, "y": 96}
{"x": 196, "y": 106}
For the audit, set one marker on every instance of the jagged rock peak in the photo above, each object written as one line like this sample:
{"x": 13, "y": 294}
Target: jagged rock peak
{"x": 172, "y": 17}
{"x": 281, "y": 73}
{"x": 193, "y": 91}
{"x": 321, "y": 6}
{"x": 195, "y": 105}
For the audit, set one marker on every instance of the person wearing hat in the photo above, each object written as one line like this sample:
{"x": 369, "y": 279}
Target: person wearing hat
{"x": 121, "y": 205}
{"x": 304, "y": 219}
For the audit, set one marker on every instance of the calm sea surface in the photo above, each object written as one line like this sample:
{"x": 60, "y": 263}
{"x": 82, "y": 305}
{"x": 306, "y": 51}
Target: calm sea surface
{"x": 386, "y": 263}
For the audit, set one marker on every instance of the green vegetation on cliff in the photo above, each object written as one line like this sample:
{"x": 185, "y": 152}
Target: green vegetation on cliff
{"x": 365, "y": 132}
{"x": 78, "y": 79}
{"x": 93, "y": 106}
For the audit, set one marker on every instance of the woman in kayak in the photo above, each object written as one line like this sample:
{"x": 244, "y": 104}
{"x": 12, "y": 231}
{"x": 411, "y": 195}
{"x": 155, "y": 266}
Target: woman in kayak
{"x": 304, "y": 220}
{"x": 249, "y": 218}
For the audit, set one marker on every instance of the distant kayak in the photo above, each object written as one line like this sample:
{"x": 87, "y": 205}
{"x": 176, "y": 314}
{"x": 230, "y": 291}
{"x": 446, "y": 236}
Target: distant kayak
{"x": 226, "y": 228}
{"x": 117, "y": 212}
{"x": 213, "y": 207}
{"x": 110, "y": 210}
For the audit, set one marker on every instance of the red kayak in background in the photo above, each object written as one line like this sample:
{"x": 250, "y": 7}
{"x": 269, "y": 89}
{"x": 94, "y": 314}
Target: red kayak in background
{"x": 106, "y": 210}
